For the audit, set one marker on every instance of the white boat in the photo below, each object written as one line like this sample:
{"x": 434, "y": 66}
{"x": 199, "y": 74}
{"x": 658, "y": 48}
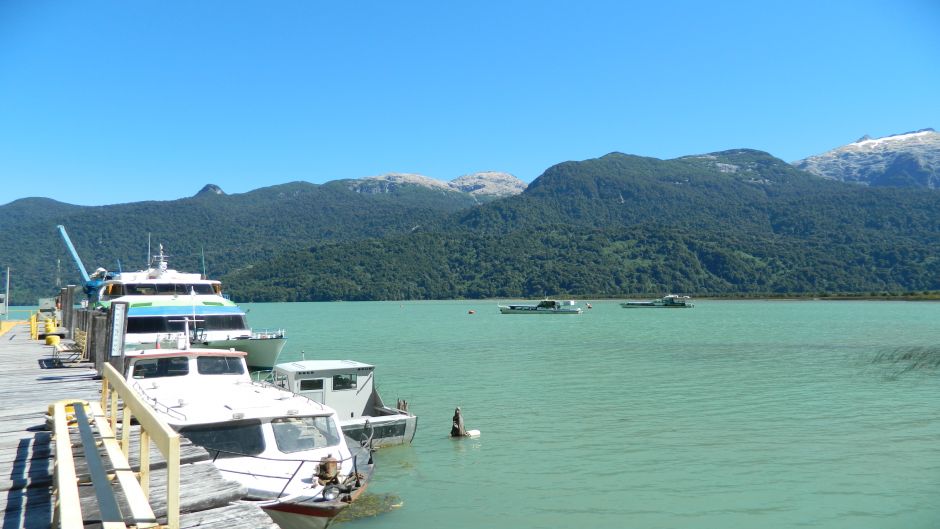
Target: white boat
{"x": 671, "y": 301}
{"x": 547, "y": 306}
{"x": 162, "y": 301}
{"x": 287, "y": 451}
{"x": 349, "y": 388}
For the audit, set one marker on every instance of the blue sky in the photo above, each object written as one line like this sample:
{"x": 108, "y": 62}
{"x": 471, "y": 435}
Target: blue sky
{"x": 104, "y": 102}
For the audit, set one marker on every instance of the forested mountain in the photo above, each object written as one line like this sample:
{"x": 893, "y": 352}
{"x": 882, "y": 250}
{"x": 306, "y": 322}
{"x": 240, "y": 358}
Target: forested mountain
{"x": 734, "y": 222}
{"x": 739, "y": 221}
{"x": 232, "y": 231}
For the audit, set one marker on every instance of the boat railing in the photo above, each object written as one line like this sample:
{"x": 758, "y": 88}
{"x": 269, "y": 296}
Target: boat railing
{"x": 267, "y": 334}
{"x": 294, "y": 475}
{"x": 157, "y": 405}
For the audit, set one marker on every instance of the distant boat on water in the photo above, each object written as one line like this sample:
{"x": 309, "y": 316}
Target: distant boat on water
{"x": 671, "y": 301}
{"x": 547, "y": 306}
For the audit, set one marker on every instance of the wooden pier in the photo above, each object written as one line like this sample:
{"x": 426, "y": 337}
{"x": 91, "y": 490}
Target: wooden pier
{"x": 31, "y": 383}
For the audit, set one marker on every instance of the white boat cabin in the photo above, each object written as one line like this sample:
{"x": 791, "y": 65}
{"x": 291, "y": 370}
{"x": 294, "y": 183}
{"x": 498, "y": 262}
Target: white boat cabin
{"x": 348, "y": 387}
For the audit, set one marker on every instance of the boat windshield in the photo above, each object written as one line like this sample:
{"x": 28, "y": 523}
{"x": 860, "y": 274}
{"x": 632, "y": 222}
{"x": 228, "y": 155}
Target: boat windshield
{"x": 220, "y": 365}
{"x": 295, "y": 434}
{"x": 231, "y": 438}
{"x": 174, "y": 366}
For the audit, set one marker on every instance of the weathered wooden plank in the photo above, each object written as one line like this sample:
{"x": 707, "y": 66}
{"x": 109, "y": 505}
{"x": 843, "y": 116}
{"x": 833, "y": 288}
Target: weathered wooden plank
{"x": 238, "y": 515}
{"x": 27, "y": 389}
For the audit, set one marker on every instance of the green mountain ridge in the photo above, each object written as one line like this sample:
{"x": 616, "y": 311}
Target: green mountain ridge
{"x": 732, "y": 222}
{"x": 737, "y": 221}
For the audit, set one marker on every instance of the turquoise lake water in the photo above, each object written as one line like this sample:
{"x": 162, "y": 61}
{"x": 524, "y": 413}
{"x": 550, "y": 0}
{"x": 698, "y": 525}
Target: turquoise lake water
{"x": 733, "y": 414}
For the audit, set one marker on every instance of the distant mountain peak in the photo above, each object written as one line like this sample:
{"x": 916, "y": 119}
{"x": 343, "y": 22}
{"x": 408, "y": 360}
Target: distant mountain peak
{"x": 408, "y": 178}
{"x": 491, "y": 184}
{"x": 210, "y": 189}
{"x": 911, "y": 159}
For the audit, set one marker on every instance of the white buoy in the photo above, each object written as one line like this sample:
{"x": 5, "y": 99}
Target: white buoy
{"x": 473, "y": 433}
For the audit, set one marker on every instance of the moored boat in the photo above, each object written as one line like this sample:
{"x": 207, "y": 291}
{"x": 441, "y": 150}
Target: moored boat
{"x": 349, "y": 387}
{"x": 287, "y": 451}
{"x": 162, "y": 302}
{"x": 671, "y": 301}
{"x": 547, "y": 306}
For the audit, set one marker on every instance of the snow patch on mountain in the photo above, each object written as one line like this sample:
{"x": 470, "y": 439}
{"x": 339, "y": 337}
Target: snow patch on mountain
{"x": 911, "y": 159}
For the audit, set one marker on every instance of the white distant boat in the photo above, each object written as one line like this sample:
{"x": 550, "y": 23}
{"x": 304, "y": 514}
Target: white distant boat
{"x": 349, "y": 388}
{"x": 671, "y": 301}
{"x": 287, "y": 451}
{"x": 547, "y": 306}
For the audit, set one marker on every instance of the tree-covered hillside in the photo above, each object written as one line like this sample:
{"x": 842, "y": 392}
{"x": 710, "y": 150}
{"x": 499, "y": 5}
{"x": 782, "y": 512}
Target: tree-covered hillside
{"x": 734, "y": 222}
{"x": 232, "y": 231}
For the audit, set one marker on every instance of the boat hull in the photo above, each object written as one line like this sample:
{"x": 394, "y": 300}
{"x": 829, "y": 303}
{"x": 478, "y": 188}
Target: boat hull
{"x": 303, "y": 516}
{"x": 386, "y": 430}
{"x": 302, "y": 513}
{"x": 526, "y": 309}
{"x": 652, "y": 306}
{"x": 262, "y": 352}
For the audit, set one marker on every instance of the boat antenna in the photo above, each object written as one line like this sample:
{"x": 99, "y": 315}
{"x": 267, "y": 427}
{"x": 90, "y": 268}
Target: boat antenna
{"x": 204, "y": 274}
{"x": 120, "y": 270}
{"x": 149, "y": 257}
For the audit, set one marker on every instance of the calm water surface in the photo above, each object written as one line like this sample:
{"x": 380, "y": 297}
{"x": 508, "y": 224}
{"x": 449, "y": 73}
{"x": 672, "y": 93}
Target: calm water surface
{"x": 734, "y": 414}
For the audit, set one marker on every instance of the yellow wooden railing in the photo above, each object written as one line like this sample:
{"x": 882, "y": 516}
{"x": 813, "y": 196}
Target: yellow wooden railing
{"x": 117, "y": 398}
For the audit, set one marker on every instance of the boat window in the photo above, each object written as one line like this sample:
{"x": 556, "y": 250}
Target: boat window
{"x": 311, "y": 384}
{"x": 230, "y": 439}
{"x": 224, "y": 322}
{"x": 294, "y": 434}
{"x": 162, "y": 324}
{"x": 174, "y": 366}
{"x": 219, "y": 365}
{"x": 140, "y": 290}
{"x": 344, "y": 382}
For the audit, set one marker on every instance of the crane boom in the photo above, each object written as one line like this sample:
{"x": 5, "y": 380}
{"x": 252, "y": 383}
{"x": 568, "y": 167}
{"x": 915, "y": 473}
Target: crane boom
{"x": 75, "y": 257}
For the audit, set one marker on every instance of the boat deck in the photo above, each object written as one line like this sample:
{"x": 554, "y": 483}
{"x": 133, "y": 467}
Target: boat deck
{"x": 32, "y": 382}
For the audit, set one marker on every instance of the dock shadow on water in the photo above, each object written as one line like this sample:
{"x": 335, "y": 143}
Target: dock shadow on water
{"x": 369, "y": 505}
{"x": 901, "y": 361}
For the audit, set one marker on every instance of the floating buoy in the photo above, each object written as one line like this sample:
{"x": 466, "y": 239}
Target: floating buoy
{"x": 471, "y": 312}
{"x": 589, "y": 306}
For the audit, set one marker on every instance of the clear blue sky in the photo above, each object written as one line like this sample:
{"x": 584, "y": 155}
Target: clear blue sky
{"x": 103, "y": 102}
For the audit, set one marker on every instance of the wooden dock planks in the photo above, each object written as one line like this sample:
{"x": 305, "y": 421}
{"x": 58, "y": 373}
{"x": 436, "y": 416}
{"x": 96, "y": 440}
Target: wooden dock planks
{"x": 26, "y": 464}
